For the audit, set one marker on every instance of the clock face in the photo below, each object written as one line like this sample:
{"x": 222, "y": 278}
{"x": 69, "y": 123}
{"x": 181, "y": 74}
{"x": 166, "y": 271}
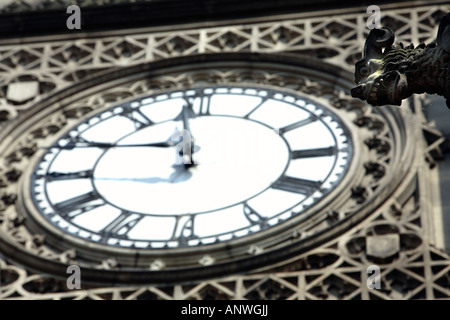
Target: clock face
{"x": 191, "y": 167}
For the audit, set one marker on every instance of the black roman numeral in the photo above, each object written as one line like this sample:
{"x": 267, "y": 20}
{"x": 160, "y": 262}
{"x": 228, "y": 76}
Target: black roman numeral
{"x": 74, "y": 141}
{"x": 136, "y": 115}
{"x": 205, "y": 103}
{"x": 254, "y": 217}
{"x": 184, "y": 229}
{"x": 313, "y": 153}
{"x": 73, "y": 207}
{"x": 55, "y": 176}
{"x": 298, "y": 124}
{"x": 263, "y": 100}
{"x": 121, "y": 226}
{"x": 296, "y": 185}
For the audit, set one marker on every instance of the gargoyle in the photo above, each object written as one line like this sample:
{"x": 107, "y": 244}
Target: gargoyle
{"x": 389, "y": 73}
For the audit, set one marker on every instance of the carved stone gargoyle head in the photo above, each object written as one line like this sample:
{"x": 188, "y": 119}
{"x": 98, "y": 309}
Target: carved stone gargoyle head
{"x": 375, "y": 84}
{"x": 389, "y": 73}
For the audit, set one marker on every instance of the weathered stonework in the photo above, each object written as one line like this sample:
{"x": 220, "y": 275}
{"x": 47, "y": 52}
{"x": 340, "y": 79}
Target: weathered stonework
{"x": 388, "y": 73}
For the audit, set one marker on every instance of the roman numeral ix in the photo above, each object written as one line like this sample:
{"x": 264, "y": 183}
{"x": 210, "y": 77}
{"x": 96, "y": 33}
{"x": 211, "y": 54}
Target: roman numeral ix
{"x": 75, "y": 206}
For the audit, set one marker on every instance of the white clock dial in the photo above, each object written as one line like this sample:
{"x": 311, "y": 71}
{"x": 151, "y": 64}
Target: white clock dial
{"x": 255, "y": 159}
{"x": 230, "y": 150}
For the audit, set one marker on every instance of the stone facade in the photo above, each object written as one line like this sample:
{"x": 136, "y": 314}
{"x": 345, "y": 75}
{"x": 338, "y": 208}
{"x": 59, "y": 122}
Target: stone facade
{"x": 398, "y": 228}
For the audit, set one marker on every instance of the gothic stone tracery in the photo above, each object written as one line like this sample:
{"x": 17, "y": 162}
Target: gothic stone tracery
{"x": 414, "y": 268}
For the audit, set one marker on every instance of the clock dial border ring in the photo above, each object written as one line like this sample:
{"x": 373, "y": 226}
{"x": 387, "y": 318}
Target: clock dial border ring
{"x": 275, "y": 231}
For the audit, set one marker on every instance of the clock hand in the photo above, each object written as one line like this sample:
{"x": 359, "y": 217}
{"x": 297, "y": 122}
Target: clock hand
{"x": 185, "y": 114}
{"x": 188, "y": 140}
{"x": 105, "y": 145}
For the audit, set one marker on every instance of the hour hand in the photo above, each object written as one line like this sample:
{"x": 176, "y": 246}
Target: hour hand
{"x": 187, "y": 145}
{"x": 185, "y": 114}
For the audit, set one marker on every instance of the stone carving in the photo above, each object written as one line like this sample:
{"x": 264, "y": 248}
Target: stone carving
{"x": 388, "y": 73}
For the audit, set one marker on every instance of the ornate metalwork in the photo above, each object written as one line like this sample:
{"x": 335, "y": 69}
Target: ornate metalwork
{"x": 388, "y": 74}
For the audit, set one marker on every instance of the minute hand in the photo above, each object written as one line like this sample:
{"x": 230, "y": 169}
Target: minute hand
{"x": 103, "y": 145}
{"x": 184, "y": 116}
